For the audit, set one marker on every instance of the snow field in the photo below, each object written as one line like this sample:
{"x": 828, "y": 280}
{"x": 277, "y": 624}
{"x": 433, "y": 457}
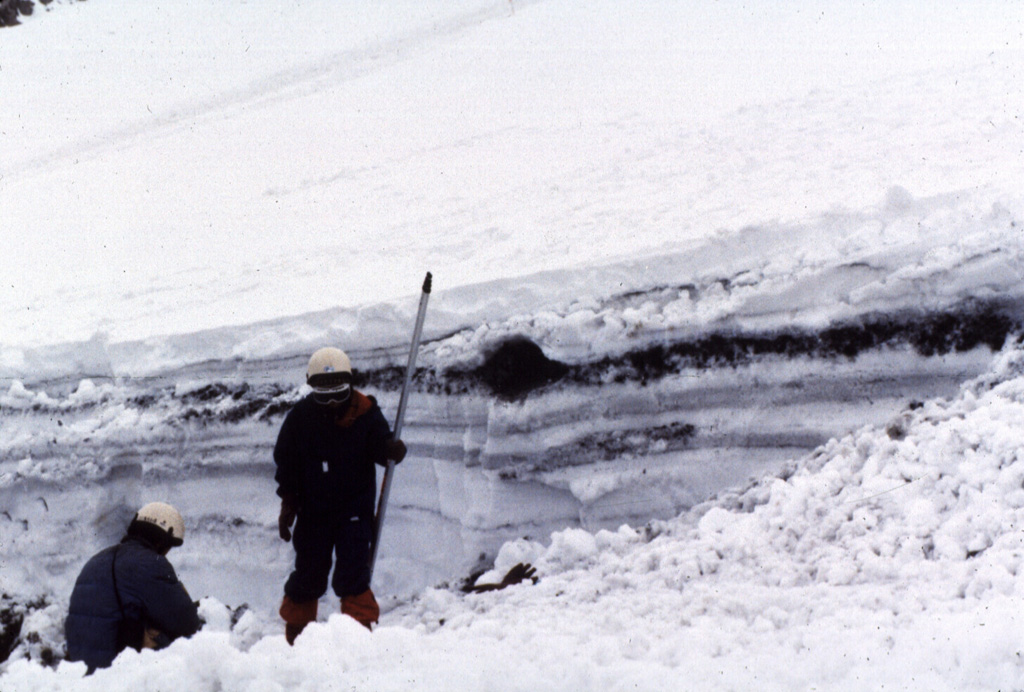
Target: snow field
{"x": 635, "y": 134}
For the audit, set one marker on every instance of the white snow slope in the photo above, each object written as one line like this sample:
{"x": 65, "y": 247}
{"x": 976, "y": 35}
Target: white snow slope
{"x": 197, "y": 195}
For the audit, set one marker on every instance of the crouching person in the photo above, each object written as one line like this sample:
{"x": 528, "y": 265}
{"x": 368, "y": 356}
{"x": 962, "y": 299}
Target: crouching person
{"x": 128, "y": 595}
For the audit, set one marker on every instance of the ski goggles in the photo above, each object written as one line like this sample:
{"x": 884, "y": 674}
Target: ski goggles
{"x": 333, "y": 396}
{"x": 331, "y": 388}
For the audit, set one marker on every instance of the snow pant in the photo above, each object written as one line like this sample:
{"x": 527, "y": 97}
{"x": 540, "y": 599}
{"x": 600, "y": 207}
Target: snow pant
{"x": 317, "y": 540}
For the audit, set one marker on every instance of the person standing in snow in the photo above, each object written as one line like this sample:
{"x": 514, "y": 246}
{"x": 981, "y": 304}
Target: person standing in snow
{"x": 128, "y": 595}
{"x": 325, "y": 455}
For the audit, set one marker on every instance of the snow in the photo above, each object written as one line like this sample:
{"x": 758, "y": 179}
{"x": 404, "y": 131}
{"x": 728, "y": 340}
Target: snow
{"x": 600, "y": 178}
{"x": 883, "y": 560}
{"x": 536, "y": 167}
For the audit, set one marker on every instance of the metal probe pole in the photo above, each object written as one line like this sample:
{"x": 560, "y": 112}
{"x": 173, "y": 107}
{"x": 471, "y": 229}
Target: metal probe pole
{"x": 385, "y": 488}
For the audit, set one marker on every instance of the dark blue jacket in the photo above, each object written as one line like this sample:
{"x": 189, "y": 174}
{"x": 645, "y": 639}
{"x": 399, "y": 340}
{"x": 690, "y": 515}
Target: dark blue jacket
{"x": 325, "y": 458}
{"x": 99, "y": 627}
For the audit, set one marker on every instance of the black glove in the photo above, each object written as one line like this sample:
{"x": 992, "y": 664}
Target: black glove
{"x": 519, "y": 573}
{"x": 395, "y": 450}
{"x": 289, "y": 508}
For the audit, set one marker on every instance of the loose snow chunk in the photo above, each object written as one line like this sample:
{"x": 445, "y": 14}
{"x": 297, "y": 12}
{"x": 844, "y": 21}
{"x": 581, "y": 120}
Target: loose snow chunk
{"x": 898, "y": 200}
{"x": 617, "y": 541}
{"x": 715, "y": 521}
{"x": 247, "y": 631}
{"x": 18, "y": 391}
{"x": 18, "y": 396}
{"x": 570, "y": 547}
{"x": 87, "y": 392}
{"x": 519, "y": 551}
{"x": 29, "y": 467}
{"x": 42, "y": 633}
{"x": 215, "y": 614}
{"x": 595, "y": 486}
{"x": 922, "y": 517}
{"x": 516, "y": 552}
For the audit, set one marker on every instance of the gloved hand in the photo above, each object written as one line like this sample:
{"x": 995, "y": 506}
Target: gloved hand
{"x": 289, "y": 508}
{"x": 395, "y": 450}
{"x": 519, "y": 573}
{"x": 153, "y": 638}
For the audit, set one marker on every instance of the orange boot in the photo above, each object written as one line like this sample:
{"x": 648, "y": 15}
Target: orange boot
{"x": 296, "y": 617}
{"x": 363, "y": 607}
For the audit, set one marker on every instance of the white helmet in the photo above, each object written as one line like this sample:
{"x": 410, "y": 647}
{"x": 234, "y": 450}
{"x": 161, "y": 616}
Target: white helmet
{"x": 166, "y": 518}
{"x": 328, "y": 360}
{"x": 330, "y": 375}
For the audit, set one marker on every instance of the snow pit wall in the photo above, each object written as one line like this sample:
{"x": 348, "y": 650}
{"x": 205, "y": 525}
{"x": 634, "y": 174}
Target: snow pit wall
{"x": 518, "y": 446}
{"x": 481, "y": 470}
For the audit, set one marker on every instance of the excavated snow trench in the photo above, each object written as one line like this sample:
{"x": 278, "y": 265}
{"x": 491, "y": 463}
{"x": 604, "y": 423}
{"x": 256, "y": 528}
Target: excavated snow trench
{"x": 519, "y": 446}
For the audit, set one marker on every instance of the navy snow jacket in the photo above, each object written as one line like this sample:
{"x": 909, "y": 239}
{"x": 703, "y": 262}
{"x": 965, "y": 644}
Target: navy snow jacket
{"x": 120, "y": 591}
{"x": 325, "y": 459}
